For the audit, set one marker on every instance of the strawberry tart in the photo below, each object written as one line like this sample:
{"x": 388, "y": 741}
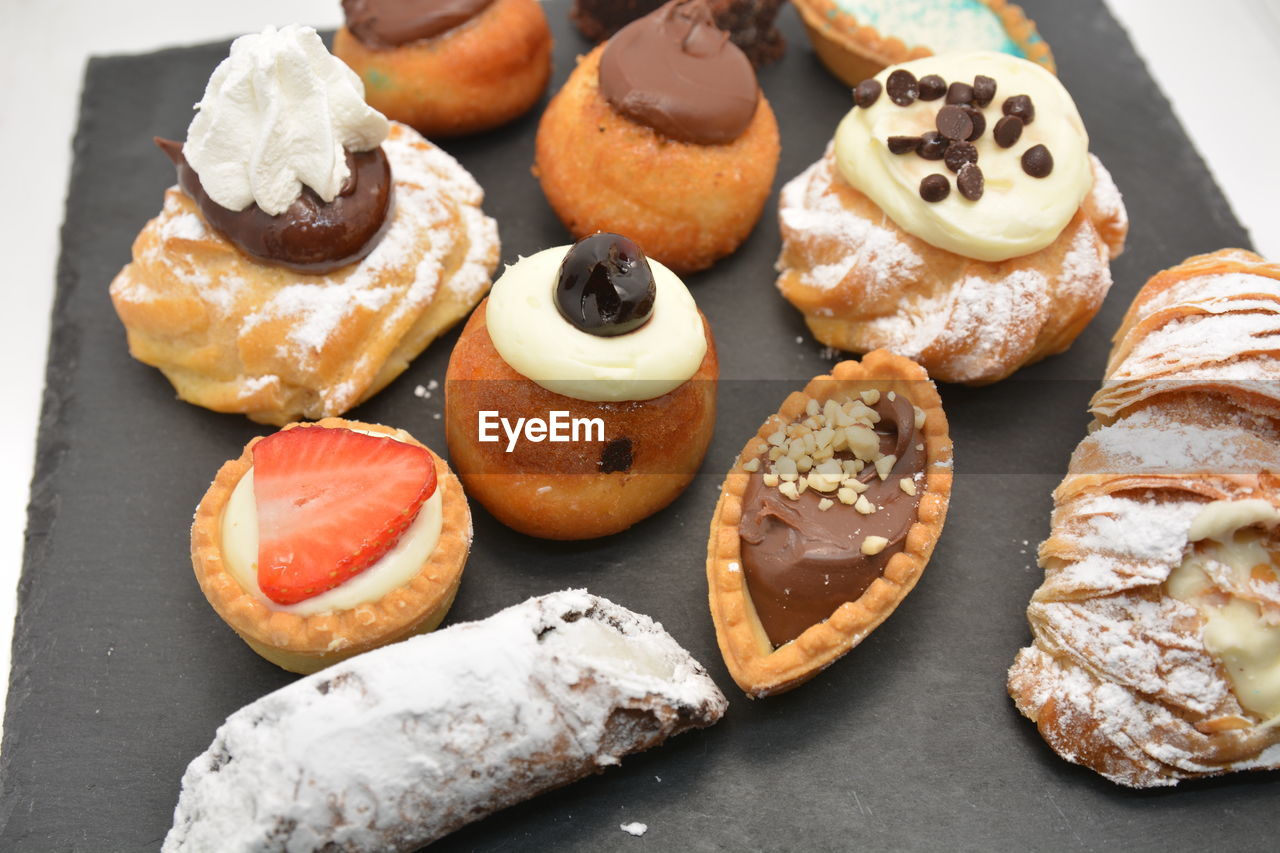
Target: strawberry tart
{"x": 325, "y": 540}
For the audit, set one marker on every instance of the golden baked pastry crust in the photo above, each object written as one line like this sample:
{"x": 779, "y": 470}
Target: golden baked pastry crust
{"x": 309, "y": 643}
{"x": 853, "y": 51}
{"x": 863, "y": 283}
{"x": 236, "y": 335}
{"x": 757, "y": 667}
{"x": 556, "y": 491}
{"x": 687, "y": 205}
{"x": 478, "y": 76}
{"x": 1118, "y": 677}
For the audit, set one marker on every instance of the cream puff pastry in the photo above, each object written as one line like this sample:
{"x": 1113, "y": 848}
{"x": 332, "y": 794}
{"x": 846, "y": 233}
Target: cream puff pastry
{"x": 957, "y": 219}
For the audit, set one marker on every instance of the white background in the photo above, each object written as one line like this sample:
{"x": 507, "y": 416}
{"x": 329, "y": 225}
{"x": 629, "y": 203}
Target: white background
{"x": 1218, "y": 63}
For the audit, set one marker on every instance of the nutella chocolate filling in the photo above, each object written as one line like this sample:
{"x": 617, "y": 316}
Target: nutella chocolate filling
{"x": 675, "y": 72}
{"x": 802, "y": 561}
{"x": 383, "y": 24}
{"x": 312, "y": 236}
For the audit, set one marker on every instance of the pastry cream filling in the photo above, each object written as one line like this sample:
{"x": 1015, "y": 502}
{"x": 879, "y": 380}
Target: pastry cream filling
{"x": 528, "y": 332}
{"x": 1229, "y": 551}
{"x": 395, "y": 569}
{"x": 1017, "y": 214}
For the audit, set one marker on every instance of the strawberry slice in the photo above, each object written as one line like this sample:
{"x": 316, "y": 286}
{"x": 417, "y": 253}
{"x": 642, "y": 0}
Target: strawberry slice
{"x": 331, "y": 502}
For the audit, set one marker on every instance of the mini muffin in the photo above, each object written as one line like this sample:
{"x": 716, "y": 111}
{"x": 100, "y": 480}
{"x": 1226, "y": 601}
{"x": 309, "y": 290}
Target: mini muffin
{"x": 325, "y": 540}
{"x": 581, "y": 396}
{"x": 448, "y": 67}
{"x": 661, "y": 134}
{"x": 855, "y": 39}
{"x": 827, "y": 520}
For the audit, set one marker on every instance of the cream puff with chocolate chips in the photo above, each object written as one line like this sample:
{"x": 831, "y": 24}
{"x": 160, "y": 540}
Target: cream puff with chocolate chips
{"x": 826, "y": 520}
{"x": 581, "y": 396}
{"x": 957, "y": 218}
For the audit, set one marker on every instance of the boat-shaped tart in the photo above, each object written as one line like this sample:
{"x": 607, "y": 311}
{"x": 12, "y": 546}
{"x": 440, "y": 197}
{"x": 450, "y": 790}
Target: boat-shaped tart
{"x": 827, "y": 520}
{"x": 318, "y": 545}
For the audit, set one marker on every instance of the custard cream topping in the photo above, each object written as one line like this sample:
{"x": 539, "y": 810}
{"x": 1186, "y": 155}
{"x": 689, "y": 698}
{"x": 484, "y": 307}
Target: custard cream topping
{"x": 396, "y": 568}
{"x": 528, "y": 332}
{"x": 280, "y": 112}
{"x": 1227, "y": 556}
{"x": 1017, "y": 214}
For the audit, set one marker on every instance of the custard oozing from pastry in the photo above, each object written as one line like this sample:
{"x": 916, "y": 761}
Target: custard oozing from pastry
{"x": 1017, "y": 214}
{"x": 1229, "y": 575}
{"x": 804, "y": 556}
{"x": 531, "y": 335}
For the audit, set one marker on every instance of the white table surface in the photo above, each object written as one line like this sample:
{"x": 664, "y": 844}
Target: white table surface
{"x": 1217, "y": 62}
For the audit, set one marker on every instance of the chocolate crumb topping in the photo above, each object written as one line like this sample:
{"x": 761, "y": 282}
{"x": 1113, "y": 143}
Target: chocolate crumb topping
{"x": 958, "y": 154}
{"x": 935, "y": 188}
{"x": 1037, "y": 161}
{"x": 866, "y": 93}
{"x": 903, "y": 88}
{"x": 1008, "y": 131}
{"x": 970, "y": 182}
{"x": 312, "y": 236}
{"x": 932, "y": 87}
{"x": 1020, "y": 106}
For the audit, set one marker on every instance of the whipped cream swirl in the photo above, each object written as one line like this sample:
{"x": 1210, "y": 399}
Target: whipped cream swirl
{"x": 278, "y": 113}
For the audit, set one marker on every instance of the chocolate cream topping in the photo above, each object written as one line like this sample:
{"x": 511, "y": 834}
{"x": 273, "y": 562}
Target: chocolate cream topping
{"x": 675, "y": 72}
{"x": 382, "y": 24}
{"x": 312, "y": 236}
{"x": 800, "y": 562}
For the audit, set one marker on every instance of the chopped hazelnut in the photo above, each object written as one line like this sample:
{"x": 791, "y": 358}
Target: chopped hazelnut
{"x": 751, "y": 465}
{"x": 871, "y": 396}
{"x": 847, "y": 496}
{"x": 864, "y": 506}
{"x": 771, "y": 480}
{"x": 789, "y": 490}
{"x": 884, "y": 465}
{"x": 907, "y": 485}
{"x": 873, "y": 545}
{"x": 825, "y": 504}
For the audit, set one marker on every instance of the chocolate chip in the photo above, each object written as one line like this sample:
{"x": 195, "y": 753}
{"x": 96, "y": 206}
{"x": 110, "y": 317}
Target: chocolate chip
{"x": 954, "y": 123}
{"x": 935, "y": 188}
{"x": 866, "y": 93}
{"x": 959, "y": 153}
{"x": 933, "y": 145}
{"x": 1020, "y": 106}
{"x": 970, "y": 182}
{"x": 903, "y": 144}
{"x": 902, "y": 87}
{"x": 959, "y": 93}
{"x": 1037, "y": 161}
{"x": 984, "y": 89}
{"x": 932, "y": 87}
{"x": 616, "y": 456}
{"x": 979, "y": 121}
{"x": 1008, "y": 131}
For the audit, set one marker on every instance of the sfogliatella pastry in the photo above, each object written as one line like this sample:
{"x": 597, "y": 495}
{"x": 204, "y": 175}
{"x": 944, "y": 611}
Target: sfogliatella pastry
{"x": 661, "y": 134}
{"x": 310, "y": 250}
{"x": 581, "y": 396}
{"x": 827, "y": 520}
{"x": 400, "y": 746}
{"x": 1156, "y": 651}
{"x": 957, "y": 219}
{"x": 448, "y": 67}
{"x": 855, "y": 39}
{"x": 749, "y": 23}
{"x": 325, "y": 540}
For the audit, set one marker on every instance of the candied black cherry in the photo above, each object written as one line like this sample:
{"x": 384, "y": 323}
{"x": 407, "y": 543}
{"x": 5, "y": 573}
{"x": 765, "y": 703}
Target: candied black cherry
{"x": 605, "y": 286}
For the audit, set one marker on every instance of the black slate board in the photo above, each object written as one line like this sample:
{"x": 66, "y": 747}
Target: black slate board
{"x": 121, "y": 672}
